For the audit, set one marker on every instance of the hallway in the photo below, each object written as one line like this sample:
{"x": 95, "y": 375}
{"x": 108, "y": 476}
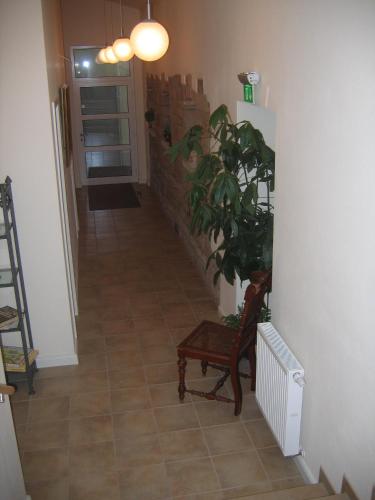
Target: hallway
{"x": 112, "y": 427}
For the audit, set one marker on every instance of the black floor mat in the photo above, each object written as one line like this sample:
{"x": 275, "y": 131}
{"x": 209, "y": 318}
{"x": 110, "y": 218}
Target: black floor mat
{"x": 112, "y": 196}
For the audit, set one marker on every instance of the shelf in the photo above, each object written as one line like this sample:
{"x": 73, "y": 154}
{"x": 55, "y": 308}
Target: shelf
{"x": 3, "y": 232}
{"x": 6, "y": 278}
{"x": 15, "y": 328}
{"x": 14, "y": 358}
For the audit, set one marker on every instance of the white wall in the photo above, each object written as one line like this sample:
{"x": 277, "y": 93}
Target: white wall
{"x": 27, "y": 156}
{"x": 316, "y": 59}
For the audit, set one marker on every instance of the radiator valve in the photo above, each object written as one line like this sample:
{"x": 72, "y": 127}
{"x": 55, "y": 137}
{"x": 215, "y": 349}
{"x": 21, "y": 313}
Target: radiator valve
{"x": 299, "y": 379}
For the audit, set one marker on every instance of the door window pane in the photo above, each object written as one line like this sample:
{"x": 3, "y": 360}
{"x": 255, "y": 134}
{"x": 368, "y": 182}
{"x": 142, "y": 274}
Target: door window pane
{"x": 108, "y": 163}
{"x": 107, "y": 132}
{"x": 86, "y": 67}
{"x": 104, "y": 100}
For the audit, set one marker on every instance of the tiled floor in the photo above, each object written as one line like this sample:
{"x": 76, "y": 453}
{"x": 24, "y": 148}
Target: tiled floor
{"x": 113, "y": 427}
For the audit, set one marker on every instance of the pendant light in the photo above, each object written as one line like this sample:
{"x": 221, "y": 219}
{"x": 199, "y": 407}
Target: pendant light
{"x": 109, "y": 53}
{"x": 122, "y": 47}
{"x": 101, "y": 57}
{"x": 149, "y": 38}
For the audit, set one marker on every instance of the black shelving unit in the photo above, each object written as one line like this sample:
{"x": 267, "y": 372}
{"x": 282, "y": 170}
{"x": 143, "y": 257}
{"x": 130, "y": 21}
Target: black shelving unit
{"x": 12, "y": 277}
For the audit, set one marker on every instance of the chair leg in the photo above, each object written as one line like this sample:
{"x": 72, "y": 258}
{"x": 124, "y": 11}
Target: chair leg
{"x": 181, "y": 371}
{"x": 237, "y": 391}
{"x": 204, "y": 365}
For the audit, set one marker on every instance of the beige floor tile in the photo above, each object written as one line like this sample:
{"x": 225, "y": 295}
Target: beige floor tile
{"x": 216, "y": 495}
{"x": 134, "y": 423}
{"x": 215, "y": 413}
{"x": 21, "y": 394}
{"x": 95, "y": 486}
{"x": 48, "y": 490}
{"x": 90, "y": 404}
{"x": 121, "y": 342}
{"x": 159, "y": 354}
{"x": 167, "y": 395}
{"x": 130, "y": 399}
{"x": 180, "y": 334}
{"x": 276, "y": 465}
{"x": 45, "y": 465}
{"x": 174, "y": 418}
{"x": 127, "y": 378}
{"x": 181, "y": 320}
{"x": 227, "y": 438}
{"x": 260, "y": 433}
{"x": 52, "y": 387}
{"x": 191, "y": 476}
{"x": 239, "y": 469}
{"x": 144, "y": 483}
{"x": 48, "y": 409}
{"x": 92, "y": 382}
{"x": 250, "y": 408}
{"x": 290, "y": 482}
{"x": 110, "y": 314}
{"x": 89, "y": 363}
{"x": 243, "y": 492}
{"x": 194, "y": 370}
{"x": 118, "y": 360}
{"x": 206, "y": 384}
{"x": 91, "y": 345}
{"x": 155, "y": 338}
{"x": 150, "y": 324}
{"x": 98, "y": 457}
{"x": 160, "y": 374}
{"x": 117, "y": 326}
{"x": 43, "y": 435}
{"x": 20, "y": 412}
{"x": 138, "y": 451}
{"x": 182, "y": 445}
{"x": 90, "y": 430}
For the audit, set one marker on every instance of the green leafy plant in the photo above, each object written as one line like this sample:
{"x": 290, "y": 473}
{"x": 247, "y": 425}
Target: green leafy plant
{"x": 233, "y": 320}
{"x": 224, "y": 195}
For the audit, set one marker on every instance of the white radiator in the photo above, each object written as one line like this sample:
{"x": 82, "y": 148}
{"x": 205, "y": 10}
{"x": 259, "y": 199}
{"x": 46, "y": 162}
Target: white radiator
{"x": 279, "y": 388}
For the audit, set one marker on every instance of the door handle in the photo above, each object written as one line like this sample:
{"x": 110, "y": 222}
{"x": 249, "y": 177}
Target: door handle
{"x": 82, "y": 137}
{"x": 6, "y": 390}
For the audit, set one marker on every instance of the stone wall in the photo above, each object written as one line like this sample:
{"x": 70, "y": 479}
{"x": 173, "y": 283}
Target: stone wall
{"x": 177, "y": 107}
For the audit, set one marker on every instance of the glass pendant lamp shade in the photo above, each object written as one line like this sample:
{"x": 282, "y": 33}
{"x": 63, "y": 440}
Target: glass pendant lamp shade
{"x": 110, "y": 55}
{"x": 102, "y": 57}
{"x": 150, "y": 40}
{"x": 123, "y": 49}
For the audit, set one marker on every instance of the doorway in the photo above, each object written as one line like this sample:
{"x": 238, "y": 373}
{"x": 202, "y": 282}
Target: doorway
{"x": 104, "y": 114}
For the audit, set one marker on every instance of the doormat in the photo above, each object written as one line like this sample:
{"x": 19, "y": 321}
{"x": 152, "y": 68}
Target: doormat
{"x": 112, "y": 196}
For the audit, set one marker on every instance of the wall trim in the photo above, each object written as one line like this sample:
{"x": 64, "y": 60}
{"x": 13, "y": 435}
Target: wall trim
{"x": 346, "y": 487}
{"x": 305, "y": 470}
{"x": 49, "y": 361}
{"x": 324, "y": 479}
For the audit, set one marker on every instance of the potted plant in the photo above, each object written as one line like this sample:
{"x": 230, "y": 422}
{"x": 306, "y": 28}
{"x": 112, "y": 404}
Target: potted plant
{"x": 233, "y": 165}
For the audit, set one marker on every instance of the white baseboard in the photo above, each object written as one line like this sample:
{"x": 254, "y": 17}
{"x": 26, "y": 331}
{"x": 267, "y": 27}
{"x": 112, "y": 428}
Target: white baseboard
{"x": 48, "y": 361}
{"x": 305, "y": 470}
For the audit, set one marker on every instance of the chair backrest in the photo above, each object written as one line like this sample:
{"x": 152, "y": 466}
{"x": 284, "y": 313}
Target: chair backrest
{"x": 254, "y": 300}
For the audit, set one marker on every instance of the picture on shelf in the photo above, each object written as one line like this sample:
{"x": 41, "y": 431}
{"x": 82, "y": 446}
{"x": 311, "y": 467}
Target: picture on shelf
{"x": 8, "y": 317}
{"x": 14, "y": 358}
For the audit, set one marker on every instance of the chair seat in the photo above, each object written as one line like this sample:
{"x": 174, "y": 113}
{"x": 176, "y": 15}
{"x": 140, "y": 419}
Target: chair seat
{"x": 210, "y": 338}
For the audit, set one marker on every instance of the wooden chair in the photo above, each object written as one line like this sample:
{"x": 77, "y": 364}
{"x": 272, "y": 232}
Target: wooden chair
{"x": 222, "y": 347}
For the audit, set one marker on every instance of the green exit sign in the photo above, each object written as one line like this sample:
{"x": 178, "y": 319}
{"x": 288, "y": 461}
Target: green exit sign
{"x": 248, "y": 93}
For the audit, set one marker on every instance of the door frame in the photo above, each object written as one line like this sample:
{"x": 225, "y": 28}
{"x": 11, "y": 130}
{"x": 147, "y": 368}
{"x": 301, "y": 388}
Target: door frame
{"x": 77, "y": 118}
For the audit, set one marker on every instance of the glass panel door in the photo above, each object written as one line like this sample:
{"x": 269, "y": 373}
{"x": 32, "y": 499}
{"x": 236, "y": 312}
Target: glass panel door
{"x": 106, "y": 117}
